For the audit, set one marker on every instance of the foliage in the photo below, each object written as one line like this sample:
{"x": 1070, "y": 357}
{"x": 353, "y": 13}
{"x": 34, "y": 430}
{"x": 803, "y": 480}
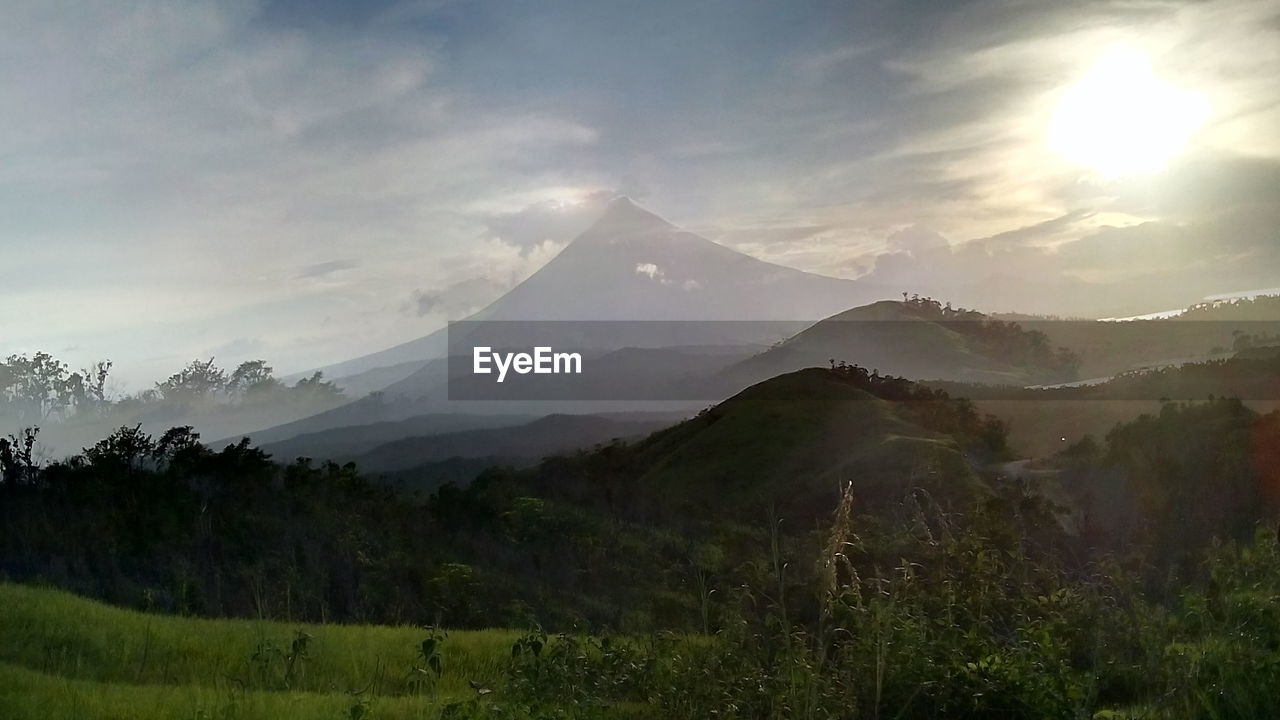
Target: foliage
{"x": 38, "y": 387}
{"x": 251, "y": 381}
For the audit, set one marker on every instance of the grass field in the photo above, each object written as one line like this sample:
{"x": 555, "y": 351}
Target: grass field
{"x": 62, "y": 656}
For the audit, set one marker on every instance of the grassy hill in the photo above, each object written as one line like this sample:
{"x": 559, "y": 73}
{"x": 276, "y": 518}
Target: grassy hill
{"x": 786, "y": 446}
{"x": 792, "y": 441}
{"x": 918, "y": 339}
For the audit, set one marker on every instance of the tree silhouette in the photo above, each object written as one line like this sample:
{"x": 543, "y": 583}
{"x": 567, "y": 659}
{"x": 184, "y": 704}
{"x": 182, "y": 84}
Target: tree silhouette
{"x": 197, "y": 381}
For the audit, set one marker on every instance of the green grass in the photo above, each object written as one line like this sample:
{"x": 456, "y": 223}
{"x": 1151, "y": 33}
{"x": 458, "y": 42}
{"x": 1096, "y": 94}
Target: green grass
{"x": 62, "y": 656}
{"x": 29, "y": 695}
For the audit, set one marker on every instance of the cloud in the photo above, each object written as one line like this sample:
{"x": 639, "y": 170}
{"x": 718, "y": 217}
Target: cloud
{"x": 557, "y": 219}
{"x": 180, "y": 158}
{"x": 1199, "y": 184}
{"x": 326, "y": 268}
{"x": 199, "y": 172}
{"x": 757, "y": 237}
{"x": 915, "y": 238}
{"x": 237, "y": 350}
{"x": 457, "y": 300}
{"x": 1098, "y": 270}
{"x": 814, "y": 66}
{"x": 962, "y": 155}
{"x": 653, "y": 272}
{"x": 487, "y": 271}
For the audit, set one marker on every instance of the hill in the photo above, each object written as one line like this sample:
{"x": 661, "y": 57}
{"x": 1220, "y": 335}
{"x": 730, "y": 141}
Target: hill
{"x": 920, "y": 339}
{"x": 788, "y": 445}
{"x": 791, "y": 441}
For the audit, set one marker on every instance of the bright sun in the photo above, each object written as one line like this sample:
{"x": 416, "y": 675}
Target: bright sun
{"x": 1120, "y": 119}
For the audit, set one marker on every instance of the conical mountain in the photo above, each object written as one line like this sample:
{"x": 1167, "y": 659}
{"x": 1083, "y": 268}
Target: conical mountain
{"x": 633, "y": 265}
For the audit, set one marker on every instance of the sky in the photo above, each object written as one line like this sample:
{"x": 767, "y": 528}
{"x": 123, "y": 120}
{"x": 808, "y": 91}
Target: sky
{"x": 306, "y": 181}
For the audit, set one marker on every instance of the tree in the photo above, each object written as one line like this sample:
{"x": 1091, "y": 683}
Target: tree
{"x": 126, "y": 447}
{"x": 252, "y": 377}
{"x": 317, "y": 387}
{"x": 17, "y": 457}
{"x": 178, "y": 446}
{"x": 35, "y": 387}
{"x": 197, "y": 381}
{"x": 89, "y": 387}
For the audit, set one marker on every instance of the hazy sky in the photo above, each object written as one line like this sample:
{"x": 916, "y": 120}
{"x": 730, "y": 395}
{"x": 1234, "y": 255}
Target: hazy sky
{"x": 307, "y": 181}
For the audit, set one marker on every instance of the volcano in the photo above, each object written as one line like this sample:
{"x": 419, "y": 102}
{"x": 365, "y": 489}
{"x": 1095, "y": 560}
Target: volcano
{"x": 633, "y": 265}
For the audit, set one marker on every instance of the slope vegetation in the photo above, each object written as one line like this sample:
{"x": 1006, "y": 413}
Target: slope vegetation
{"x": 787, "y": 446}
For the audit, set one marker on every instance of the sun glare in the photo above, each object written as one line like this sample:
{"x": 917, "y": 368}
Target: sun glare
{"x": 1120, "y": 119}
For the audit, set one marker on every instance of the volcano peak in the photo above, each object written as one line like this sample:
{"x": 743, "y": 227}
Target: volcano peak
{"x": 622, "y": 214}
